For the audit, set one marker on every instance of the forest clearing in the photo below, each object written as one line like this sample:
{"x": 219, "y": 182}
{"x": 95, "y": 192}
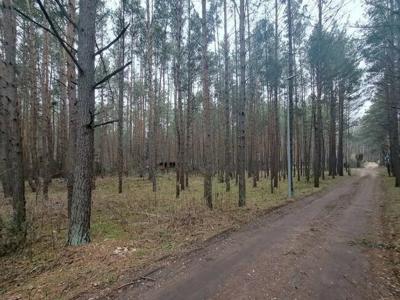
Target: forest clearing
{"x": 187, "y": 149}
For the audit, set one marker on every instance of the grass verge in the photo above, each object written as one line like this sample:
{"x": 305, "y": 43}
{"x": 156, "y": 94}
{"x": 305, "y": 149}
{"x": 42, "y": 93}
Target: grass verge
{"x": 129, "y": 231}
{"x": 391, "y": 221}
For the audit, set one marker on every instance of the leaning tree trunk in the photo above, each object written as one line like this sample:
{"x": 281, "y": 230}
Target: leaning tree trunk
{"x": 79, "y": 225}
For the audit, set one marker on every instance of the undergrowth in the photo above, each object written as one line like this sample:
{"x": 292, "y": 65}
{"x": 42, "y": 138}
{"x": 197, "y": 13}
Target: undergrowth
{"x": 129, "y": 230}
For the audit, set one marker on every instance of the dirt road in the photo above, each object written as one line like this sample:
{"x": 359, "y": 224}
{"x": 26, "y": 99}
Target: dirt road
{"x": 321, "y": 247}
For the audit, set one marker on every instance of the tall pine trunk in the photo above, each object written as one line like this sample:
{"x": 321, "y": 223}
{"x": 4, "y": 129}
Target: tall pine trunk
{"x": 206, "y": 110}
{"x": 10, "y": 94}
{"x": 72, "y": 103}
{"x": 341, "y": 130}
{"x": 241, "y": 132}
{"x": 79, "y": 225}
{"x": 121, "y": 101}
{"x": 226, "y": 105}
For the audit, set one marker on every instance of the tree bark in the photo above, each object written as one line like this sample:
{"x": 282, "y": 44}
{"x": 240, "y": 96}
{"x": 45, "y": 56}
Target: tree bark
{"x": 241, "y": 133}
{"x": 10, "y": 93}
{"x": 79, "y": 225}
{"x": 206, "y": 111}
{"x": 276, "y": 148}
{"x": 189, "y": 111}
{"x": 72, "y": 104}
{"x": 318, "y": 119}
{"x": 332, "y": 135}
{"x": 227, "y": 105}
{"x": 46, "y": 118}
{"x": 341, "y": 130}
{"x": 151, "y": 97}
{"x": 290, "y": 92}
{"x": 121, "y": 100}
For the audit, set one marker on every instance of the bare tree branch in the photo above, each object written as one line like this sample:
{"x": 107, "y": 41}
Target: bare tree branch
{"x": 46, "y": 15}
{"x": 107, "y": 77}
{"x": 41, "y": 26}
{"x": 65, "y": 13}
{"x": 105, "y": 71}
{"x": 113, "y": 41}
{"x": 105, "y": 123}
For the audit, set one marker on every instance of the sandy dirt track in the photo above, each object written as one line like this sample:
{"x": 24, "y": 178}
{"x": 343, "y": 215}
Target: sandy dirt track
{"x": 315, "y": 248}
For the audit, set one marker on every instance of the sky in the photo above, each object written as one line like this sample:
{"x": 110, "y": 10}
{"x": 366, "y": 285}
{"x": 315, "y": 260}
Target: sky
{"x": 350, "y": 14}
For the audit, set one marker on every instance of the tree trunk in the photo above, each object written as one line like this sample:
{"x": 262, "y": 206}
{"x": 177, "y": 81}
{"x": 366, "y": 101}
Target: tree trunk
{"x": 241, "y": 133}
{"x": 290, "y": 107}
{"x": 46, "y": 119}
{"x": 180, "y": 167}
{"x": 151, "y": 98}
{"x": 121, "y": 100}
{"x": 207, "y": 111}
{"x": 5, "y": 142}
{"x": 72, "y": 104}
{"x": 318, "y": 119}
{"x": 79, "y": 225}
{"x": 189, "y": 112}
{"x": 276, "y": 148}
{"x": 10, "y": 93}
{"x": 227, "y": 103}
{"x": 332, "y": 135}
{"x": 341, "y": 130}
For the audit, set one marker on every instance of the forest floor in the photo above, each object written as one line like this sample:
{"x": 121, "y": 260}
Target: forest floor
{"x": 339, "y": 244}
{"x": 132, "y": 232}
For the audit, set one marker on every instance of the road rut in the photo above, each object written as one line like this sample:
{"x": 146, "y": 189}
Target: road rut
{"x": 314, "y": 248}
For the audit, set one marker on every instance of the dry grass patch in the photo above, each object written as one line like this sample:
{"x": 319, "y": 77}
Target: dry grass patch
{"x": 391, "y": 215}
{"x": 129, "y": 231}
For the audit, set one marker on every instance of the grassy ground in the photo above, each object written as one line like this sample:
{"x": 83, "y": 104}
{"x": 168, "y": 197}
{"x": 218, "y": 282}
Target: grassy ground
{"x": 129, "y": 231}
{"x": 391, "y": 215}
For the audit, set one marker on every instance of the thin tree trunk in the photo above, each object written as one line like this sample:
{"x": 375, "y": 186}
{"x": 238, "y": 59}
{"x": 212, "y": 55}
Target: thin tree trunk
{"x": 290, "y": 108}
{"x": 341, "y": 130}
{"x": 318, "y": 121}
{"x": 72, "y": 103}
{"x": 241, "y": 133}
{"x": 227, "y": 103}
{"x": 189, "y": 112}
{"x": 207, "y": 111}
{"x": 276, "y": 163}
{"x": 332, "y": 135}
{"x": 151, "y": 98}
{"x": 121, "y": 100}
{"x": 46, "y": 119}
